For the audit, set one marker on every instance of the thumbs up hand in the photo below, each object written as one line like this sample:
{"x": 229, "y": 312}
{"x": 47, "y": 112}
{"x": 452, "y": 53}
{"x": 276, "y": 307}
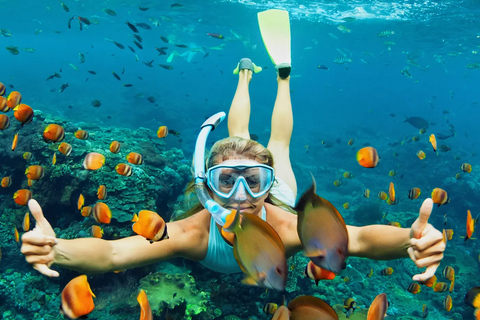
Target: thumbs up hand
{"x": 426, "y": 243}
{"x": 37, "y": 245}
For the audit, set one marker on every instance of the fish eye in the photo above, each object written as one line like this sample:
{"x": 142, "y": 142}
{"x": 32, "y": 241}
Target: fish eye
{"x": 279, "y": 271}
{"x": 339, "y": 251}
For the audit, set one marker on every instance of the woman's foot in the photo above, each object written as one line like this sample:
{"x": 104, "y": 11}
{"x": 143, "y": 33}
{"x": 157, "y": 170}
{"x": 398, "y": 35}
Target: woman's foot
{"x": 283, "y": 70}
{"x": 246, "y": 63}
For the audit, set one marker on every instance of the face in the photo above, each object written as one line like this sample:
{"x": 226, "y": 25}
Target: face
{"x": 241, "y": 197}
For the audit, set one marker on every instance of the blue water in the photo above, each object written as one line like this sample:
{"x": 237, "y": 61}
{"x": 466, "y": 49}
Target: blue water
{"x": 366, "y": 100}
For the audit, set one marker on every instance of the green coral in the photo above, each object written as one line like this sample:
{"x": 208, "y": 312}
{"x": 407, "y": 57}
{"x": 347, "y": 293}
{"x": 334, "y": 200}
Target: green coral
{"x": 173, "y": 290}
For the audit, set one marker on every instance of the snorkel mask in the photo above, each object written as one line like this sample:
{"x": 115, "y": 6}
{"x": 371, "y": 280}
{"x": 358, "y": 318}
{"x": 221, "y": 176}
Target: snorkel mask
{"x": 231, "y": 178}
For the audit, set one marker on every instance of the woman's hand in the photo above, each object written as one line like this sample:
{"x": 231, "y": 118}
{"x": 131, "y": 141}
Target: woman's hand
{"x": 426, "y": 243}
{"x": 37, "y": 245}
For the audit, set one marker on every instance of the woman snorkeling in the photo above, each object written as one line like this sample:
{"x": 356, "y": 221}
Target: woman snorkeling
{"x": 243, "y": 174}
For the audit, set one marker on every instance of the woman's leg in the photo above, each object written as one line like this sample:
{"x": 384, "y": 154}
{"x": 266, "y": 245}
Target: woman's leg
{"x": 239, "y": 114}
{"x": 281, "y": 132}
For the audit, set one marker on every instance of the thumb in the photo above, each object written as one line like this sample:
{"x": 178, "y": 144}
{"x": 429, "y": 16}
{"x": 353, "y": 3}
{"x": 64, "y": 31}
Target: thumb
{"x": 41, "y": 222}
{"x": 422, "y": 220}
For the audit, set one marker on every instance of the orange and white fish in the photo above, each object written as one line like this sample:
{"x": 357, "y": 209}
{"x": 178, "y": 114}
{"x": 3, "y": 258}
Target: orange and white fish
{"x": 53, "y": 133}
{"x": 102, "y": 192}
{"x": 391, "y": 192}
{"x": 34, "y": 172}
{"x": 65, "y": 148}
{"x": 145, "y": 309}
{"x": 23, "y": 113}
{"x": 81, "y": 134}
{"x": 22, "y": 196}
{"x": 134, "y": 158}
{"x": 16, "y": 234}
{"x": 4, "y": 121}
{"x": 440, "y": 196}
{"x": 26, "y": 222}
{"x": 15, "y": 142}
{"x": 101, "y": 213}
{"x": 470, "y": 225}
{"x": 150, "y": 225}
{"x": 93, "y": 161}
{"x": 421, "y": 155}
{"x": 162, "y": 132}
{"x": 14, "y": 99}
{"x": 123, "y": 169}
{"x": 77, "y": 298}
{"x": 378, "y": 308}
{"x": 86, "y": 211}
{"x": 317, "y": 273}
{"x": 368, "y": 157}
{"x": 114, "y": 147}
{"x": 310, "y": 307}
{"x": 433, "y": 141}
{"x": 80, "y": 201}
{"x": 97, "y": 232}
{"x": 6, "y": 182}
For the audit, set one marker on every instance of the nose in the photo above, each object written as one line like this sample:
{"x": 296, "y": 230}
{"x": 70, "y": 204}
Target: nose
{"x": 241, "y": 193}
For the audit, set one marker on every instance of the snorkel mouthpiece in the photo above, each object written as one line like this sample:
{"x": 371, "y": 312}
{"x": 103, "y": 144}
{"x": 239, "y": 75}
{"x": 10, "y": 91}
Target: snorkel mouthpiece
{"x": 218, "y": 212}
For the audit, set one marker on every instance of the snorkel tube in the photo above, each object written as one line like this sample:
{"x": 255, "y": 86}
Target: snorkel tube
{"x": 218, "y": 212}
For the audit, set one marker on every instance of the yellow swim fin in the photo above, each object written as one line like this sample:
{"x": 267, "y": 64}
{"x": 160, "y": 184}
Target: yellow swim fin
{"x": 275, "y": 29}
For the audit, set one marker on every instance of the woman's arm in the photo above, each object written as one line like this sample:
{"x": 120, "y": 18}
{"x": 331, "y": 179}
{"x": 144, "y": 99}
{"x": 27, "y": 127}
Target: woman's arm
{"x": 379, "y": 242}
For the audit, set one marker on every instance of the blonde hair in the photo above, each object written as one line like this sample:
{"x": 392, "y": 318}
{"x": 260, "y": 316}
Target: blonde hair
{"x": 230, "y": 148}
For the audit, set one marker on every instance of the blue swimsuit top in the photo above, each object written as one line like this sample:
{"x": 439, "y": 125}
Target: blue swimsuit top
{"x": 220, "y": 256}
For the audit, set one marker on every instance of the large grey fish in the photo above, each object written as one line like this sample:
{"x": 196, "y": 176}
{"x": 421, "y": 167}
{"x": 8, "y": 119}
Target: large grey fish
{"x": 310, "y": 308}
{"x": 417, "y": 122}
{"x": 322, "y": 231}
{"x": 259, "y": 251}
{"x": 445, "y": 134}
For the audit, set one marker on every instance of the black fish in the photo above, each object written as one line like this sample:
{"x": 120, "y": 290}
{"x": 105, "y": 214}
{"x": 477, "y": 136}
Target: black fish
{"x": 84, "y": 20}
{"x": 81, "y": 25}
{"x": 70, "y": 22}
{"x": 128, "y": 85}
{"x": 181, "y": 45}
{"x": 132, "y": 27}
{"x": 151, "y": 99}
{"x": 176, "y": 5}
{"x": 161, "y": 52}
{"x": 136, "y": 36}
{"x": 143, "y": 9}
{"x": 174, "y": 132}
{"x": 417, "y": 122}
{"x": 50, "y": 77}
{"x": 166, "y": 66}
{"x": 143, "y": 25}
{"x": 206, "y": 55}
{"x": 92, "y": 72}
{"x": 64, "y": 86}
{"x": 138, "y": 44}
{"x": 149, "y": 64}
{"x": 64, "y": 6}
{"x": 164, "y": 39}
{"x": 56, "y": 75}
{"x": 442, "y": 135}
{"x": 116, "y": 76}
{"x": 121, "y": 46}
{"x": 123, "y": 70}
{"x": 96, "y": 103}
{"x": 322, "y": 67}
{"x": 131, "y": 49}
{"x": 253, "y": 136}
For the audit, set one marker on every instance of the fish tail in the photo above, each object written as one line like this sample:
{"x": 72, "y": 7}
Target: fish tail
{"x": 307, "y": 198}
{"x": 232, "y": 221}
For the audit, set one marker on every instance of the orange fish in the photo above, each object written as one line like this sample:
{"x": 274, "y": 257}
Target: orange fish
{"x": 123, "y": 169}
{"x": 470, "y": 225}
{"x": 387, "y": 271}
{"x": 114, "y": 147}
{"x": 102, "y": 213}
{"x": 440, "y": 287}
{"x": 17, "y": 235}
{"x": 97, "y": 232}
{"x": 26, "y": 222}
{"x": 440, "y": 196}
{"x": 54, "y": 159}
{"x": 86, "y": 211}
{"x": 15, "y": 142}
{"x": 102, "y": 192}
{"x": 447, "y": 303}
{"x": 348, "y": 175}
{"x": 430, "y": 282}
{"x": 3, "y": 104}
{"x": 449, "y": 273}
{"x": 77, "y": 298}
{"x": 34, "y": 172}
{"x": 414, "y": 288}
{"x": 6, "y": 182}
{"x": 80, "y": 201}
{"x": 466, "y": 167}
{"x": 449, "y": 233}
{"x": 472, "y": 297}
{"x": 382, "y": 195}
{"x": 14, "y": 99}
{"x": 145, "y": 310}
{"x": 414, "y": 193}
{"x": 317, "y": 273}
{"x": 433, "y": 141}
{"x": 378, "y": 308}
{"x": 65, "y": 148}
{"x": 94, "y": 161}
{"x": 81, "y": 134}
{"x": 53, "y": 133}
{"x": 421, "y": 155}
{"x": 2, "y": 89}
{"x": 368, "y": 157}
{"x": 346, "y": 205}
{"x": 270, "y": 308}
{"x": 150, "y": 226}
{"x": 309, "y": 308}
{"x": 395, "y": 224}
{"x": 23, "y": 113}
{"x": 22, "y": 196}
{"x": 366, "y": 193}
{"x": 135, "y": 158}
{"x": 162, "y": 132}
{"x": 337, "y": 183}
{"x": 391, "y": 192}
{"x": 4, "y": 121}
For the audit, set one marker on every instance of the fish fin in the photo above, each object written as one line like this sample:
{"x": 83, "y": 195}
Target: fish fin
{"x": 315, "y": 253}
{"x": 248, "y": 280}
{"x": 306, "y": 197}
